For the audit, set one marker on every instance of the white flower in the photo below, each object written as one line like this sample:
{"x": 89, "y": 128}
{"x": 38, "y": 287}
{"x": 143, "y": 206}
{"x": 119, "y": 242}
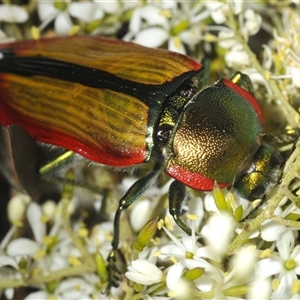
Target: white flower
{"x": 86, "y": 11}
{"x": 143, "y": 272}
{"x": 237, "y": 56}
{"x": 226, "y": 39}
{"x": 243, "y": 264}
{"x": 241, "y": 273}
{"x": 58, "y": 12}
{"x": 271, "y": 230}
{"x": 285, "y": 49}
{"x": 34, "y": 217}
{"x": 186, "y": 254}
{"x": 219, "y": 239}
{"x": 13, "y": 14}
{"x": 260, "y": 289}
{"x": 286, "y": 266}
{"x": 217, "y": 11}
{"x": 250, "y": 23}
{"x": 153, "y": 25}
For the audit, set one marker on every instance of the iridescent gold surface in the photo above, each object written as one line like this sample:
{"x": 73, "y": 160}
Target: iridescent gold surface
{"x": 217, "y": 133}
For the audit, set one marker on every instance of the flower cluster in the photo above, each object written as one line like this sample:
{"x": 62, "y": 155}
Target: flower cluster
{"x": 193, "y": 266}
{"x": 237, "y": 249}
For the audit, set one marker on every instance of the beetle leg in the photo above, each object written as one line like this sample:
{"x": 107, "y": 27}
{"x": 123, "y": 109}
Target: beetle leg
{"x": 177, "y": 194}
{"x": 243, "y": 80}
{"x": 56, "y": 163}
{"x": 206, "y": 63}
{"x": 135, "y": 191}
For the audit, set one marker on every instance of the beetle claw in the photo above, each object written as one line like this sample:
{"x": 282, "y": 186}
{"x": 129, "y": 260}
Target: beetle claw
{"x": 114, "y": 274}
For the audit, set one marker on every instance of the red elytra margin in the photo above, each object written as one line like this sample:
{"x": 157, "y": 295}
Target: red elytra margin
{"x": 246, "y": 95}
{"x": 193, "y": 179}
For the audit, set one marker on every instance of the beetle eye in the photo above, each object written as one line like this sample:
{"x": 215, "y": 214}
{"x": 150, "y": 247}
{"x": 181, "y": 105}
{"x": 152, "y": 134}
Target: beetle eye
{"x": 264, "y": 173}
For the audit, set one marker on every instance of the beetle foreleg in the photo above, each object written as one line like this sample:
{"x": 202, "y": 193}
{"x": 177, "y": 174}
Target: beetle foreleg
{"x": 135, "y": 191}
{"x": 206, "y": 63}
{"x": 177, "y": 194}
{"x": 243, "y": 80}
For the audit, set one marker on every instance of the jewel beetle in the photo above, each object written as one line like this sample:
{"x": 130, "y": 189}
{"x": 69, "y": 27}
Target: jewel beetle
{"x": 121, "y": 104}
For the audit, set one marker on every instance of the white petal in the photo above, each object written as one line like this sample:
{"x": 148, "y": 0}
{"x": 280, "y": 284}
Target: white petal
{"x": 63, "y": 24}
{"x": 227, "y": 40}
{"x": 295, "y": 72}
{"x": 135, "y": 22}
{"x": 196, "y": 208}
{"x": 209, "y": 203}
{"x": 140, "y": 214}
{"x": 260, "y": 289}
{"x": 237, "y": 57}
{"x": 284, "y": 243}
{"x": 34, "y": 216}
{"x": 243, "y": 263}
{"x": 58, "y": 262}
{"x": 217, "y": 10}
{"x": 8, "y": 237}
{"x": 198, "y": 263}
{"x": 268, "y": 267}
{"x": 41, "y": 295}
{"x": 174, "y": 274}
{"x": 253, "y": 21}
{"x": 284, "y": 290}
{"x": 9, "y": 293}
{"x": 151, "y": 37}
{"x": 237, "y": 6}
{"x": 85, "y": 11}
{"x": 207, "y": 252}
{"x": 176, "y": 45}
{"x": 167, "y": 251}
{"x": 192, "y": 36}
{"x": 8, "y": 261}
{"x": 205, "y": 283}
{"x": 46, "y": 10}
{"x": 153, "y": 16}
{"x": 22, "y": 247}
{"x": 143, "y": 272}
{"x": 297, "y": 269}
{"x": 13, "y": 14}
{"x": 216, "y": 238}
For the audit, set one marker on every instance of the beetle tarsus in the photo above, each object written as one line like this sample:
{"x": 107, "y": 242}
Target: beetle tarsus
{"x": 114, "y": 274}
